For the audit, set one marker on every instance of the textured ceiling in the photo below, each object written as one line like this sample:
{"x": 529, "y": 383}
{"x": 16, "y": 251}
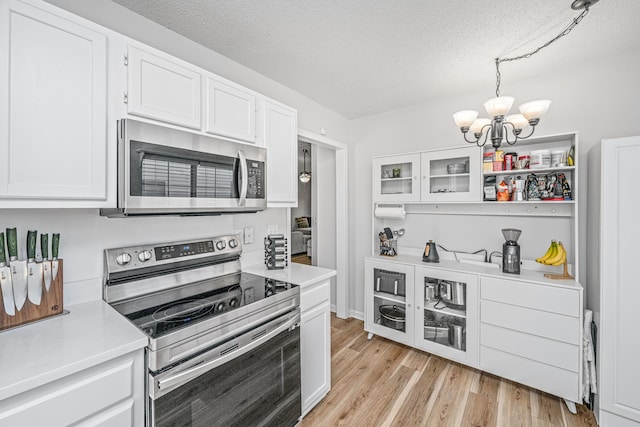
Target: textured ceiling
{"x": 361, "y": 57}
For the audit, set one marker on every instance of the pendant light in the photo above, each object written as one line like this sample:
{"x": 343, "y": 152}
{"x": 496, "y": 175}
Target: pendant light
{"x": 498, "y": 126}
{"x": 304, "y": 175}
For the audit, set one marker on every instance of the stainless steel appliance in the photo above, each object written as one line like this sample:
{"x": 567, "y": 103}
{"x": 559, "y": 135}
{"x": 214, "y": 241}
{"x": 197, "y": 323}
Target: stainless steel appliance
{"x": 165, "y": 171}
{"x": 511, "y": 251}
{"x": 431, "y": 289}
{"x": 457, "y": 332}
{"x": 224, "y": 346}
{"x": 452, "y": 293}
{"x": 389, "y": 282}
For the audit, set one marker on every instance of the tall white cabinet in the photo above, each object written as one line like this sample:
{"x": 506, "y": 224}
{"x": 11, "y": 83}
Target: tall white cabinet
{"x": 614, "y": 288}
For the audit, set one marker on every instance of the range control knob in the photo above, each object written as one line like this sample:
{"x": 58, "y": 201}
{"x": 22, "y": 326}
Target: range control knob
{"x": 144, "y": 256}
{"x": 233, "y": 243}
{"x": 123, "y": 259}
{"x": 221, "y": 306}
{"x": 220, "y": 244}
{"x": 233, "y": 303}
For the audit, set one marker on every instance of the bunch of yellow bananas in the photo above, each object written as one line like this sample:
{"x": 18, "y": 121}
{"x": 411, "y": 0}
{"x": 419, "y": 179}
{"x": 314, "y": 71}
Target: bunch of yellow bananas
{"x": 555, "y": 255}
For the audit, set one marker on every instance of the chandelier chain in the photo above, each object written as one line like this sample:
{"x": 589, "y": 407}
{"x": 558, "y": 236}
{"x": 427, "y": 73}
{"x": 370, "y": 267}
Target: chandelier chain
{"x": 563, "y": 33}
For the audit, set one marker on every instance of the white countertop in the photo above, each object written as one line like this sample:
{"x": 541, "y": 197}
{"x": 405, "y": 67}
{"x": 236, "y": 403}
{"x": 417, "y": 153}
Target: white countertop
{"x": 477, "y": 268}
{"x": 45, "y": 351}
{"x": 298, "y": 274}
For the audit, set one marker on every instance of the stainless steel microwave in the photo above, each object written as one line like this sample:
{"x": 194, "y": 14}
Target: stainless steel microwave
{"x": 166, "y": 171}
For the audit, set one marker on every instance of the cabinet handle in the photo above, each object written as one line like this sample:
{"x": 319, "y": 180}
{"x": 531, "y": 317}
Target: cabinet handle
{"x": 418, "y": 307}
{"x": 408, "y": 305}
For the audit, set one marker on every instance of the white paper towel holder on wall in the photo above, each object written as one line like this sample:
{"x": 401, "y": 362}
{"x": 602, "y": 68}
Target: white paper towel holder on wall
{"x": 391, "y": 211}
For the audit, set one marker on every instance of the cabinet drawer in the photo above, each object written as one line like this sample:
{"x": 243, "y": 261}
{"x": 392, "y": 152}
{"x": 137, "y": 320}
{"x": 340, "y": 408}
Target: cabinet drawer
{"x": 541, "y": 323}
{"x": 72, "y": 399}
{"x": 555, "y": 353}
{"x": 538, "y": 375}
{"x": 541, "y": 297}
{"x": 314, "y": 295}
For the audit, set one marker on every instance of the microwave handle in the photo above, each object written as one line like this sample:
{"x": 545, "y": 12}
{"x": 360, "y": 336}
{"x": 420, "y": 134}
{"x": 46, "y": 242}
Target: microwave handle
{"x": 244, "y": 178}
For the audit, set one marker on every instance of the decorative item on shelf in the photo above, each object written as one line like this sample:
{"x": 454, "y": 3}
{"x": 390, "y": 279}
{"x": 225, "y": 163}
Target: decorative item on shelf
{"x": 388, "y": 245}
{"x": 304, "y": 175}
{"x": 396, "y": 172}
{"x": 275, "y": 252}
{"x": 29, "y": 290}
{"x": 556, "y": 255}
{"x": 498, "y": 107}
{"x": 430, "y": 252}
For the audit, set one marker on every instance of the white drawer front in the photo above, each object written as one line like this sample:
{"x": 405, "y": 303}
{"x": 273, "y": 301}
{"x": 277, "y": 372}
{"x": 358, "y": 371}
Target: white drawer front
{"x": 72, "y": 399}
{"x": 541, "y": 323}
{"x": 541, "y": 297}
{"x": 556, "y": 381}
{"x": 555, "y": 353}
{"x": 314, "y": 295}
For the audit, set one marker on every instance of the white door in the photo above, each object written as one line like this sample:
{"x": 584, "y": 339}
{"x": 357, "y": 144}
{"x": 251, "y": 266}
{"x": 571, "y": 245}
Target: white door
{"x": 163, "y": 88}
{"x": 451, "y": 175}
{"x": 620, "y": 317}
{"x": 396, "y": 178}
{"x": 230, "y": 111}
{"x": 53, "y": 95}
{"x": 281, "y": 140}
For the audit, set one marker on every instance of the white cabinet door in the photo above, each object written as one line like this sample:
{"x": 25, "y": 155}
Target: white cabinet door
{"x": 451, "y": 175}
{"x": 315, "y": 354}
{"x": 230, "y": 111}
{"x": 619, "y": 294}
{"x": 436, "y": 320}
{"x": 281, "y": 140}
{"x": 396, "y": 178}
{"x": 383, "y": 303}
{"x": 53, "y": 106}
{"x": 163, "y": 88}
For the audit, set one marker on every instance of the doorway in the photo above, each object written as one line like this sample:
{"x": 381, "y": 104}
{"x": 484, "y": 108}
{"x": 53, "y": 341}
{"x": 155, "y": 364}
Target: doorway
{"x": 329, "y": 234}
{"x": 301, "y": 216}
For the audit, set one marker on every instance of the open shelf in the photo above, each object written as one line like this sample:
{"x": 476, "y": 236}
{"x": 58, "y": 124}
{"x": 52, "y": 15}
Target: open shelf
{"x": 430, "y": 306}
{"x": 450, "y": 175}
{"x": 531, "y": 170}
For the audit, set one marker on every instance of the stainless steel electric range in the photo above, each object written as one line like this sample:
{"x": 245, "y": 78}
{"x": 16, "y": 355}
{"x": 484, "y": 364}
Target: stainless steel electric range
{"x": 224, "y": 346}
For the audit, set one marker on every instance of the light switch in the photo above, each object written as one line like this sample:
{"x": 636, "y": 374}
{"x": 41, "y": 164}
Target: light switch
{"x": 248, "y": 235}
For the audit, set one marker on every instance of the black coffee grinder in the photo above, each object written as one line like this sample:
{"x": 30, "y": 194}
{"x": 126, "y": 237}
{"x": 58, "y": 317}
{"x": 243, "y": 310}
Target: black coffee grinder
{"x": 511, "y": 251}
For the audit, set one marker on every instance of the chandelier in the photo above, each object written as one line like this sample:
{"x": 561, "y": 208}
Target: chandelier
{"x": 500, "y": 126}
{"x": 304, "y": 175}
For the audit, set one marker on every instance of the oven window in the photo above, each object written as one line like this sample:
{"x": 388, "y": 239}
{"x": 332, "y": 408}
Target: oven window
{"x": 261, "y": 387}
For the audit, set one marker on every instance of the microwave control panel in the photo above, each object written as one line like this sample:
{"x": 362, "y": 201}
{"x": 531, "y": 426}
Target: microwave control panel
{"x": 256, "y": 184}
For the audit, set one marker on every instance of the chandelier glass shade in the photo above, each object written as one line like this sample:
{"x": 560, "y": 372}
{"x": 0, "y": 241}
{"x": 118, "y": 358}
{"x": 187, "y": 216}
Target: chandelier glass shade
{"x": 304, "y": 175}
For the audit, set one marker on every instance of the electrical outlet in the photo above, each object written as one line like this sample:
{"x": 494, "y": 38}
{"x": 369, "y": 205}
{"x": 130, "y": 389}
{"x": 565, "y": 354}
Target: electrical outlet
{"x": 248, "y": 235}
{"x": 272, "y": 229}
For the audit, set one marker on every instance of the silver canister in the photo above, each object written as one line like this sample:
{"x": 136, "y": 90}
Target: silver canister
{"x": 430, "y": 290}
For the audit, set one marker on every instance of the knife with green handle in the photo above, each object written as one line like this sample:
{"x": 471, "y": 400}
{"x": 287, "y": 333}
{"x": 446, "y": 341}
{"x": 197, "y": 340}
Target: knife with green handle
{"x": 18, "y": 269}
{"x": 46, "y": 263}
{"x": 34, "y": 289}
{"x": 55, "y": 245}
{"x": 5, "y": 281}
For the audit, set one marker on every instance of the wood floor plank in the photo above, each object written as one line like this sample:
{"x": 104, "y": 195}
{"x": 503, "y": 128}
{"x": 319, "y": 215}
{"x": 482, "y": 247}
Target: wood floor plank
{"x": 380, "y": 383}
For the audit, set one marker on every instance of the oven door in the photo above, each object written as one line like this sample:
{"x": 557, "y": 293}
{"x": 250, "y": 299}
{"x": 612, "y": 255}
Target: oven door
{"x": 253, "y": 379}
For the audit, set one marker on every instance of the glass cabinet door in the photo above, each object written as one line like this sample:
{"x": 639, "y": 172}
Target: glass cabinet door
{"x": 446, "y": 306}
{"x": 451, "y": 175}
{"x": 395, "y": 178}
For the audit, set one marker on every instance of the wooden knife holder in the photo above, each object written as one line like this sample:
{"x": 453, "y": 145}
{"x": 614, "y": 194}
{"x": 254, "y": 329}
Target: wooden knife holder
{"x": 50, "y": 305}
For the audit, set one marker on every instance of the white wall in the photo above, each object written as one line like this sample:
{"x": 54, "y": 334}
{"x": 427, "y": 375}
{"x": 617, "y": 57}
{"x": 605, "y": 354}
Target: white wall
{"x": 599, "y": 98}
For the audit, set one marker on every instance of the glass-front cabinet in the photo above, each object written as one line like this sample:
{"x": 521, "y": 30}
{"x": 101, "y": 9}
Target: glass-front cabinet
{"x": 446, "y": 313}
{"x": 389, "y": 296}
{"x": 396, "y": 178}
{"x": 451, "y": 175}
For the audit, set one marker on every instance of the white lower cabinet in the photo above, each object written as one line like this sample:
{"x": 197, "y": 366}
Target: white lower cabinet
{"x": 523, "y": 330}
{"x": 109, "y": 394}
{"x": 315, "y": 343}
{"x": 532, "y": 333}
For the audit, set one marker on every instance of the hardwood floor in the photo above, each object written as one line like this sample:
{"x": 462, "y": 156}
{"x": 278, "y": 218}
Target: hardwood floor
{"x": 383, "y": 383}
{"x": 301, "y": 259}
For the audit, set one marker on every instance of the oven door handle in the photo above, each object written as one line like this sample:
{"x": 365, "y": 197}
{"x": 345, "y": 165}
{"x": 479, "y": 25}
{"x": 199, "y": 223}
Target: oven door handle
{"x": 244, "y": 178}
{"x": 167, "y": 384}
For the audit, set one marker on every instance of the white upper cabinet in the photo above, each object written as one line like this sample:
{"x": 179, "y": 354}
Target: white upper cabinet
{"x": 53, "y": 108}
{"x": 281, "y": 139}
{"x": 396, "y": 178}
{"x": 163, "y": 88}
{"x": 230, "y": 110}
{"x": 451, "y": 175}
